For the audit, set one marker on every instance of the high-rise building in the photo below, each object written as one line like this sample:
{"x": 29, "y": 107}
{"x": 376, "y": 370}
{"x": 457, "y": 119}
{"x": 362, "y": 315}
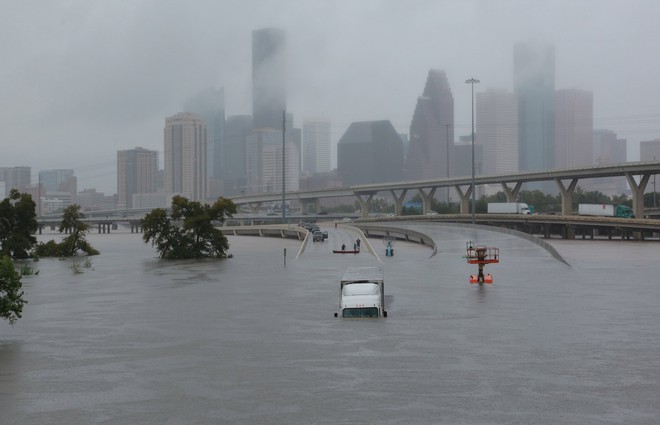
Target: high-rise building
{"x": 369, "y": 152}
{"x": 607, "y": 149}
{"x": 59, "y": 187}
{"x": 185, "y": 156}
{"x": 497, "y": 128}
{"x": 432, "y": 131}
{"x": 649, "y": 150}
{"x": 534, "y": 85}
{"x": 574, "y": 127}
{"x": 210, "y": 105}
{"x": 15, "y": 178}
{"x": 137, "y": 172}
{"x": 268, "y": 77}
{"x": 237, "y": 129}
{"x": 316, "y": 146}
{"x": 264, "y": 162}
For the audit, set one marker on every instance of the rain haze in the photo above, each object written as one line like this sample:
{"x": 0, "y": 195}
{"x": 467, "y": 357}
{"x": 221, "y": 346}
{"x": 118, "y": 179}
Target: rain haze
{"x": 82, "y": 79}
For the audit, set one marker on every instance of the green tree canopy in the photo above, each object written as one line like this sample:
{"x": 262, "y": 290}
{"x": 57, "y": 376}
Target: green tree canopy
{"x": 11, "y": 295}
{"x": 18, "y": 223}
{"x": 189, "y": 231}
{"x": 75, "y": 242}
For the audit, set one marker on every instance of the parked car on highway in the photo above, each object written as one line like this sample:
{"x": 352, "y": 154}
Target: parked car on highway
{"x": 317, "y": 236}
{"x": 325, "y": 234}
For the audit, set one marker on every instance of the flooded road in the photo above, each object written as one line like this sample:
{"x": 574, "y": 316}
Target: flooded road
{"x": 138, "y": 340}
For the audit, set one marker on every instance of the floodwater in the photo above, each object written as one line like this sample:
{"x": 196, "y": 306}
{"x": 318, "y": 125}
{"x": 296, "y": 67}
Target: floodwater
{"x": 134, "y": 339}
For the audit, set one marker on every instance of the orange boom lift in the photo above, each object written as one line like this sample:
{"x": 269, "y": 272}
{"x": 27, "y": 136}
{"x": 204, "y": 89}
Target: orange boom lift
{"x": 481, "y": 255}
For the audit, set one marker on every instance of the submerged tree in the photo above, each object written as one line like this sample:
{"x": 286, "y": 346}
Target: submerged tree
{"x": 76, "y": 229}
{"x": 18, "y": 223}
{"x": 11, "y": 295}
{"x": 189, "y": 231}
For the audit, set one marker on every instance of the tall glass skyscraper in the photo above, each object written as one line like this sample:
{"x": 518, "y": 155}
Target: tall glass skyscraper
{"x": 210, "y": 104}
{"x": 432, "y": 131}
{"x": 268, "y": 77}
{"x": 534, "y": 85}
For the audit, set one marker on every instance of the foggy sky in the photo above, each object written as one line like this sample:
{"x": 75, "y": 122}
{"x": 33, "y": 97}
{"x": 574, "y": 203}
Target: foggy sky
{"x": 81, "y": 79}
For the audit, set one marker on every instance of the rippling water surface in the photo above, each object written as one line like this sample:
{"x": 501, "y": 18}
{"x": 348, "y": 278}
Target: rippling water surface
{"x": 139, "y": 340}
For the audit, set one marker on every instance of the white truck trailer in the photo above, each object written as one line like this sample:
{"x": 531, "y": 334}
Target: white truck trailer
{"x": 508, "y": 208}
{"x": 605, "y": 210}
{"x": 362, "y": 293}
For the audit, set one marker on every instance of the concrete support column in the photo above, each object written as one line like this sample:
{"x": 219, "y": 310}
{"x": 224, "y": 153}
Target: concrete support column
{"x": 638, "y": 193}
{"x": 398, "y": 201}
{"x": 365, "y": 203}
{"x": 566, "y": 195}
{"x": 254, "y": 207}
{"x": 426, "y": 199}
{"x": 465, "y": 198}
{"x": 511, "y": 194}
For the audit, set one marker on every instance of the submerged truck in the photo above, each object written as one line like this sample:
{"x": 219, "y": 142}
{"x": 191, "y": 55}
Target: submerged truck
{"x": 606, "y": 210}
{"x": 362, "y": 293}
{"x": 508, "y": 208}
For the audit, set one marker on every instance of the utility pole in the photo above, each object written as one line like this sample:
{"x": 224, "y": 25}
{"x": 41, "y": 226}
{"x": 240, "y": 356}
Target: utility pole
{"x": 283, "y": 166}
{"x": 448, "y": 204}
{"x": 474, "y": 205}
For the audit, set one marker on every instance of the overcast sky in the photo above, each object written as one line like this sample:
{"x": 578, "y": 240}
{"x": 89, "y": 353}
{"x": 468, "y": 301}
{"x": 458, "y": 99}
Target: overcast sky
{"x": 81, "y": 79}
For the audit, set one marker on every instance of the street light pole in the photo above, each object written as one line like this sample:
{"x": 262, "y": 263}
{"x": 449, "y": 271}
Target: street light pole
{"x": 283, "y": 166}
{"x": 448, "y": 204}
{"x": 471, "y": 81}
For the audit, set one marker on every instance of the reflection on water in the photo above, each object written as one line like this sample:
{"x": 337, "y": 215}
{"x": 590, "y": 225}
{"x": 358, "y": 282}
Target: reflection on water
{"x": 136, "y": 339}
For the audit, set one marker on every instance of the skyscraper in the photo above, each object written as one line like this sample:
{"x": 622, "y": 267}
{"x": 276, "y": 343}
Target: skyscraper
{"x": 210, "y": 105}
{"x": 316, "y": 146}
{"x": 608, "y": 149}
{"x": 15, "y": 178}
{"x": 264, "y": 162}
{"x": 574, "y": 127}
{"x": 185, "y": 156}
{"x": 268, "y": 77}
{"x": 497, "y": 127}
{"x": 432, "y": 131}
{"x": 237, "y": 129}
{"x": 137, "y": 171}
{"x": 369, "y": 152}
{"x": 534, "y": 85}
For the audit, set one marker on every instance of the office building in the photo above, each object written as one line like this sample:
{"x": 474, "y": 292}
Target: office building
{"x": 237, "y": 129}
{"x": 649, "y": 150}
{"x": 370, "y": 152}
{"x": 431, "y": 150}
{"x": 534, "y": 86}
{"x": 316, "y": 146}
{"x": 210, "y": 105}
{"x": 15, "y": 178}
{"x": 59, "y": 184}
{"x": 607, "y": 149}
{"x": 186, "y": 156}
{"x": 496, "y": 119}
{"x": 574, "y": 127}
{"x": 137, "y": 173}
{"x": 268, "y": 77}
{"x": 264, "y": 162}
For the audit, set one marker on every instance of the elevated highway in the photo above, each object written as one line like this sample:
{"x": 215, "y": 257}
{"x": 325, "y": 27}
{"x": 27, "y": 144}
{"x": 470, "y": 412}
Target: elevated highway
{"x": 637, "y": 174}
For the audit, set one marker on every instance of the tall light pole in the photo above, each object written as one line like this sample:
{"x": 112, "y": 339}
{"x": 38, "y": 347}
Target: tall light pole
{"x": 448, "y": 204}
{"x": 283, "y": 166}
{"x": 472, "y": 81}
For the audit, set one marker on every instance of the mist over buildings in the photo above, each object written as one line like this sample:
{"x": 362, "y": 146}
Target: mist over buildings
{"x": 82, "y": 80}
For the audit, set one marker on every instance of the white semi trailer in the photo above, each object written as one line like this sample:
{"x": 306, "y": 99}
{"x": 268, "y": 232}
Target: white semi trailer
{"x": 362, "y": 293}
{"x": 508, "y": 208}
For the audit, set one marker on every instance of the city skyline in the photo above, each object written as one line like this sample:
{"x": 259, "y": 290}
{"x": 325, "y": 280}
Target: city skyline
{"x": 95, "y": 78}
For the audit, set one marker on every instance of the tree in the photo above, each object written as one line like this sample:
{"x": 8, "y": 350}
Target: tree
{"x": 189, "y": 231}
{"x": 18, "y": 223}
{"x": 11, "y": 295}
{"x": 76, "y": 229}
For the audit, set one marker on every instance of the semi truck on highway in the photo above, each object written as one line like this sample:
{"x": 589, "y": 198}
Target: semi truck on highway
{"x": 508, "y": 208}
{"x": 606, "y": 210}
{"x": 362, "y": 293}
